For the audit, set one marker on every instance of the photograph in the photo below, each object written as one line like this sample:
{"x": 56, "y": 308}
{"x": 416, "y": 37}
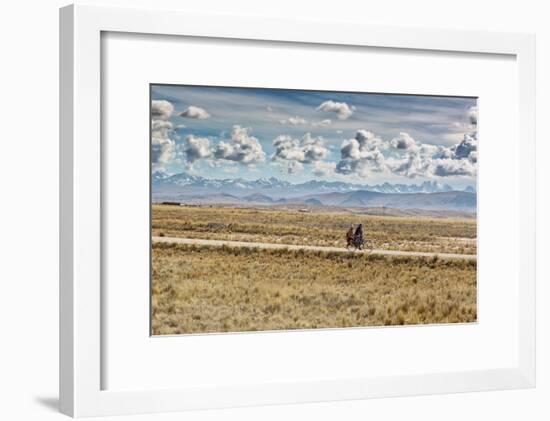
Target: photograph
{"x": 284, "y": 209}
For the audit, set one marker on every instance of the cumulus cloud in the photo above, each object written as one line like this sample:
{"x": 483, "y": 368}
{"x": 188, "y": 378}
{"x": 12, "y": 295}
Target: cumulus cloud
{"x": 403, "y": 141}
{"x": 440, "y": 161}
{"x": 404, "y": 156}
{"x": 240, "y": 148}
{"x": 304, "y": 150}
{"x": 163, "y": 146}
{"x": 161, "y": 109}
{"x": 243, "y": 147}
{"x": 161, "y": 126}
{"x": 453, "y": 167}
{"x": 293, "y": 167}
{"x": 361, "y": 155}
{"x": 433, "y": 150}
{"x": 467, "y": 148}
{"x": 195, "y": 112}
{"x": 411, "y": 165}
{"x": 162, "y": 151}
{"x": 196, "y": 148}
{"x": 369, "y": 141}
{"x": 368, "y": 163}
{"x": 342, "y": 110}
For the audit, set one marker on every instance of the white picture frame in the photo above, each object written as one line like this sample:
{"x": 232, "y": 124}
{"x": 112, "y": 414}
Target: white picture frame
{"x": 81, "y": 180}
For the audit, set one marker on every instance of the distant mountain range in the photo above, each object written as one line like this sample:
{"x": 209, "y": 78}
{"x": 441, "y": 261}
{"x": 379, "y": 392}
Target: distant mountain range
{"x": 430, "y": 195}
{"x": 276, "y": 187}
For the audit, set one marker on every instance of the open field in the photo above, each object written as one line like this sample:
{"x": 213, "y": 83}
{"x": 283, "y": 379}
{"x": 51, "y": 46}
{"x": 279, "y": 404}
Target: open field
{"x": 277, "y": 246}
{"x": 220, "y": 289}
{"x": 263, "y": 225}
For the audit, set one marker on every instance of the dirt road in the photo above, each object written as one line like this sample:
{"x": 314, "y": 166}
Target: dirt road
{"x": 219, "y": 243}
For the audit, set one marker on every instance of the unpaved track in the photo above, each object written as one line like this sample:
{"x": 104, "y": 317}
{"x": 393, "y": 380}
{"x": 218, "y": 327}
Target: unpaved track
{"x": 219, "y": 243}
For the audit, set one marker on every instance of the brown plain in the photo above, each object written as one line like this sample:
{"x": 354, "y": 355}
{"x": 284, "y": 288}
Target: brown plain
{"x": 225, "y": 289}
{"x": 201, "y": 289}
{"x": 315, "y": 228}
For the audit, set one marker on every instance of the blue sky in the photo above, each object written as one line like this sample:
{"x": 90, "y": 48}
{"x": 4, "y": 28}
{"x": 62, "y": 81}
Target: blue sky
{"x": 221, "y": 132}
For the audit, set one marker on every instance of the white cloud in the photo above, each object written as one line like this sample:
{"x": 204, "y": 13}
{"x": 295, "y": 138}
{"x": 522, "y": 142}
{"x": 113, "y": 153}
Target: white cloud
{"x": 411, "y": 165}
{"x": 161, "y": 109}
{"x": 162, "y": 151}
{"x": 196, "y": 148}
{"x": 430, "y": 160}
{"x": 403, "y": 141}
{"x": 242, "y": 147}
{"x": 364, "y": 154}
{"x": 453, "y": 167}
{"x": 361, "y": 155}
{"x": 343, "y": 111}
{"x": 467, "y": 148}
{"x": 305, "y": 150}
{"x": 368, "y": 163}
{"x": 427, "y": 149}
{"x": 195, "y": 112}
{"x": 369, "y": 141}
{"x": 294, "y": 121}
{"x": 293, "y": 167}
{"x": 163, "y": 147}
{"x": 161, "y": 126}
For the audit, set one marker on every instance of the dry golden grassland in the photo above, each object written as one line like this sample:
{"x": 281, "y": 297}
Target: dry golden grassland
{"x": 320, "y": 229}
{"x": 221, "y": 289}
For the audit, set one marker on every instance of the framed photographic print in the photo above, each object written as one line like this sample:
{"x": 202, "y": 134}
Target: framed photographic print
{"x": 262, "y": 218}
{"x": 259, "y": 211}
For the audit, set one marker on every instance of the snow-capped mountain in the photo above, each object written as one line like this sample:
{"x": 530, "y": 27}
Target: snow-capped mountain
{"x": 275, "y": 188}
{"x": 425, "y": 187}
{"x": 159, "y": 175}
{"x": 194, "y": 189}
